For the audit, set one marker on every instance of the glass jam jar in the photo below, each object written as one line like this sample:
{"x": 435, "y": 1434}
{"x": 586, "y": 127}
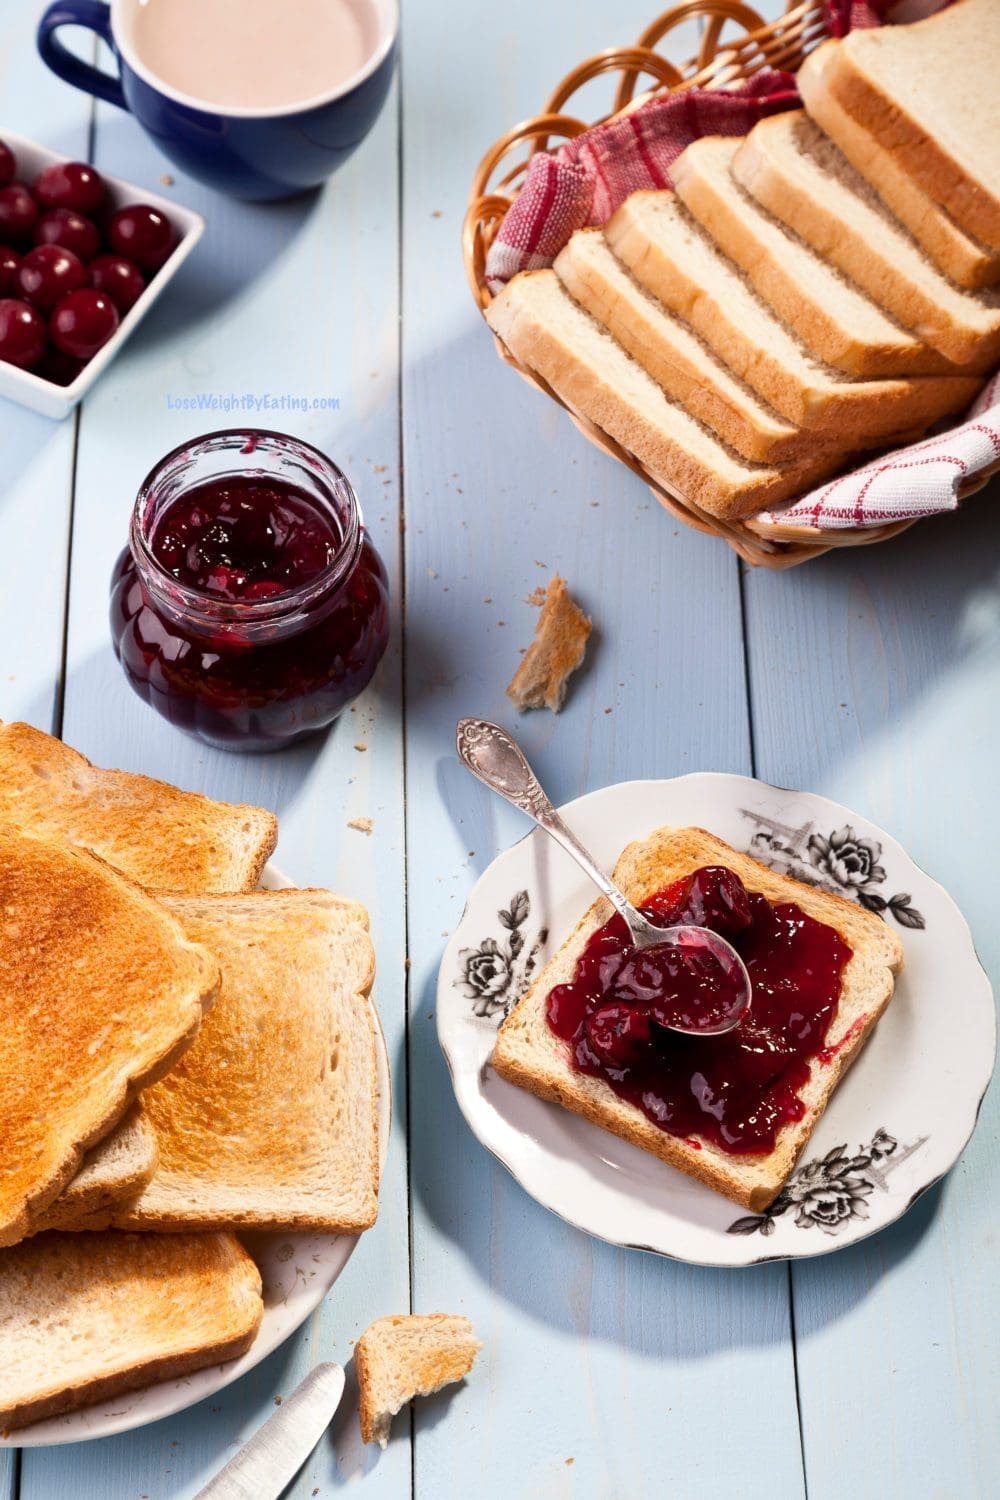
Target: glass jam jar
{"x": 249, "y": 607}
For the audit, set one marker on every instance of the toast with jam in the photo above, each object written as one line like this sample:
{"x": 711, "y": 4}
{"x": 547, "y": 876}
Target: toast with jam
{"x": 734, "y": 1111}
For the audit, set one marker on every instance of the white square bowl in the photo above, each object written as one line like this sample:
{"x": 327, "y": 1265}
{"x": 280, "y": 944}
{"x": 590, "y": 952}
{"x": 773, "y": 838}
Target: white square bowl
{"x": 45, "y": 396}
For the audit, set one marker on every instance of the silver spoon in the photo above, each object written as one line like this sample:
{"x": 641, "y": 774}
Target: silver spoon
{"x": 498, "y": 762}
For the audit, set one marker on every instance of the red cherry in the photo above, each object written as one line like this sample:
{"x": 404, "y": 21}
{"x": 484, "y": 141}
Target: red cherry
{"x": 22, "y": 333}
{"x": 82, "y": 322}
{"x": 9, "y": 262}
{"x": 118, "y": 278}
{"x": 47, "y": 273}
{"x": 18, "y": 211}
{"x": 65, "y": 227}
{"x": 143, "y": 234}
{"x": 60, "y": 368}
{"x": 8, "y": 165}
{"x": 70, "y": 184}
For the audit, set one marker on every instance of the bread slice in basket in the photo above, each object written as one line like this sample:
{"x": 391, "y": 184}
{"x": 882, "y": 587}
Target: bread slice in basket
{"x": 831, "y": 316}
{"x": 960, "y": 256}
{"x": 158, "y": 835}
{"x": 529, "y": 1054}
{"x": 86, "y": 1318}
{"x": 270, "y": 1122}
{"x": 678, "y": 263}
{"x": 102, "y": 993}
{"x": 929, "y": 91}
{"x": 795, "y": 172}
{"x": 594, "y": 376}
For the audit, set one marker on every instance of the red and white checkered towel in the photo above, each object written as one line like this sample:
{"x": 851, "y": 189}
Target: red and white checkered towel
{"x": 924, "y": 479}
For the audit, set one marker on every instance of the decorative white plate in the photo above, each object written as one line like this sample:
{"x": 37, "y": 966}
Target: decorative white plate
{"x": 297, "y": 1271}
{"x": 895, "y": 1125}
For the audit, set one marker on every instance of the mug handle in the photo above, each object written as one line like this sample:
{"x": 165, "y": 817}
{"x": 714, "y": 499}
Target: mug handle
{"x": 95, "y": 16}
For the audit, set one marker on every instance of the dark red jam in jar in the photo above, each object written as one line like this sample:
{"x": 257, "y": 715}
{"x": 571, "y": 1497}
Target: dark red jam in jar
{"x": 737, "y": 1090}
{"x": 249, "y": 607}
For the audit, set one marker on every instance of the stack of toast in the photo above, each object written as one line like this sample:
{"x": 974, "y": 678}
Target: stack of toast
{"x": 184, "y": 1056}
{"x": 826, "y": 286}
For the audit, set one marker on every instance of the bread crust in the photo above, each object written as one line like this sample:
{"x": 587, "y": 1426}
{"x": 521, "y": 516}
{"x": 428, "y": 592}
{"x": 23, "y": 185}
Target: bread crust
{"x": 558, "y": 649}
{"x": 643, "y": 868}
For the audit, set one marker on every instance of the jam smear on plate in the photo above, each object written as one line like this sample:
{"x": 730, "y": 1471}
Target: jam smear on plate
{"x": 737, "y": 1090}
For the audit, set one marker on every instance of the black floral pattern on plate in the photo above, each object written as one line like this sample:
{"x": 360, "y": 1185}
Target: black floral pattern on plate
{"x": 495, "y": 975}
{"x": 830, "y": 1191}
{"x": 845, "y": 862}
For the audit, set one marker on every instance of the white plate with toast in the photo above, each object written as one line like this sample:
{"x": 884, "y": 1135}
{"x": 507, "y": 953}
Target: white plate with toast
{"x": 297, "y": 1270}
{"x": 893, "y": 1126}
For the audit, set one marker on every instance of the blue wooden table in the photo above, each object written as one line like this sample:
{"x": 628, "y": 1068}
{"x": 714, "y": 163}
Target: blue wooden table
{"x": 873, "y": 676}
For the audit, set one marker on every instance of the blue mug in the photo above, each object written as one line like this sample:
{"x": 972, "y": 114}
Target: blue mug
{"x": 250, "y": 153}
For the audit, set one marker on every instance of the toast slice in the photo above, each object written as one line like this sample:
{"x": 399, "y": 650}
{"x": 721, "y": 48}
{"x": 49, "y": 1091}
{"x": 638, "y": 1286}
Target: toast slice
{"x": 674, "y": 260}
{"x": 528, "y": 1052}
{"x": 679, "y": 361}
{"x": 960, "y": 256}
{"x": 159, "y": 836}
{"x": 408, "y": 1355}
{"x": 102, "y": 994}
{"x": 588, "y": 370}
{"x": 828, "y": 313}
{"x": 928, "y": 90}
{"x": 114, "y": 1170}
{"x": 270, "y": 1121}
{"x": 84, "y": 1318}
{"x": 795, "y": 172}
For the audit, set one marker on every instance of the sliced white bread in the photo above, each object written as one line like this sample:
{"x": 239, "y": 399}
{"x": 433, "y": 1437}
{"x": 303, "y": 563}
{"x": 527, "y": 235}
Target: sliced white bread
{"x": 115, "y": 1169}
{"x": 84, "y": 1318}
{"x": 542, "y": 325}
{"x": 679, "y": 361}
{"x": 834, "y": 320}
{"x": 797, "y": 174}
{"x": 928, "y": 90}
{"x": 271, "y": 1121}
{"x": 529, "y": 1053}
{"x": 153, "y": 832}
{"x": 102, "y": 992}
{"x": 959, "y": 255}
{"x": 677, "y": 262}
{"x": 412, "y": 1354}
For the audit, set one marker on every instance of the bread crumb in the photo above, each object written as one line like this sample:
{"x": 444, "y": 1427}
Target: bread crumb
{"x": 432, "y": 572}
{"x": 379, "y": 468}
{"x": 540, "y": 564}
{"x": 536, "y": 598}
{"x": 278, "y": 1400}
{"x": 167, "y": 180}
{"x": 361, "y": 747}
{"x": 557, "y": 650}
{"x": 363, "y": 825}
{"x": 569, "y": 1460}
{"x": 435, "y": 213}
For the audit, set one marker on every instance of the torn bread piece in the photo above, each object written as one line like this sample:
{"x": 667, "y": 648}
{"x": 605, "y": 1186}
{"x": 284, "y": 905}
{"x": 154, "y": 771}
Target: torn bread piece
{"x": 409, "y": 1355}
{"x": 557, "y": 650}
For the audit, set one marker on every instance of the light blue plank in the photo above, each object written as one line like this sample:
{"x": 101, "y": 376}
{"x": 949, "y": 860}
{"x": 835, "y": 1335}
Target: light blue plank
{"x": 301, "y": 299}
{"x": 603, "y": 1371}
{"x": 876, "y": 678}
{"x": 37, "y": 454}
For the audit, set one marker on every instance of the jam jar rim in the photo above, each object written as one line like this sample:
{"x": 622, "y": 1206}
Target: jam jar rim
{"x": 288, "y": 606}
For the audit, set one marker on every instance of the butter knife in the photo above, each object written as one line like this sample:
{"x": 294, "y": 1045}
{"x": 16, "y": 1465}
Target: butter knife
{"x": 270, "y": 1460}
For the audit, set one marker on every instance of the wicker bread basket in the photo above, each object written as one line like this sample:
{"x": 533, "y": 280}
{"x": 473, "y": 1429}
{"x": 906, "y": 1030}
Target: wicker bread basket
{"x": 735, "y": 43}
